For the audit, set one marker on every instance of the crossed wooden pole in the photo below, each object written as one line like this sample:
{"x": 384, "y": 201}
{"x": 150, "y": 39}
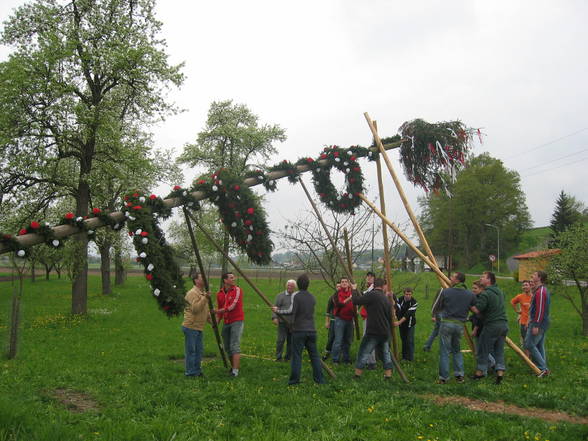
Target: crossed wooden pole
{"x": 429, "y": 259}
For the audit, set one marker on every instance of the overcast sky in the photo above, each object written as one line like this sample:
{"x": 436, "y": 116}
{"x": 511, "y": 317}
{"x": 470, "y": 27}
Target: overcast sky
{"x": 517, "y": 69}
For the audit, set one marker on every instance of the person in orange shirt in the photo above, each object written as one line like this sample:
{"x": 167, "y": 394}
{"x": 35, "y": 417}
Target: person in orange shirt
{"x": 523, "y": 300}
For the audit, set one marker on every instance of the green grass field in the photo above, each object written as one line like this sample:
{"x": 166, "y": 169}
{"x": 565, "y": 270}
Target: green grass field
{"x": 123, "y": 360}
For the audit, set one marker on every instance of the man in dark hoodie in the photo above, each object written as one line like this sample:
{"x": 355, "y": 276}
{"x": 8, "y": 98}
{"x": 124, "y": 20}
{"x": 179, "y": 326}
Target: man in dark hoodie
{"x": 490, "y": 303}
{"x": 303, "y": 331}
{"x": 378, "y": 327}
{"x": 452, "y": 306}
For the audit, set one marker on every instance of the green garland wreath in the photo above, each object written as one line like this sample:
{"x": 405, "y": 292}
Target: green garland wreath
{"x": 142, "y": 215}
{"x": 436, "y": 151}
{"x": 346, "y": 162}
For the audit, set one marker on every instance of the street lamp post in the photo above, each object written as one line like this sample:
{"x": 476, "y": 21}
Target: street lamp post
{"x": 497, "y": 243}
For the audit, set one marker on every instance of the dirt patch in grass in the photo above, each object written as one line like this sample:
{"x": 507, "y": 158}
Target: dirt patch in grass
{"x": 76, "y": 402}
{"x": 502, "y": 407}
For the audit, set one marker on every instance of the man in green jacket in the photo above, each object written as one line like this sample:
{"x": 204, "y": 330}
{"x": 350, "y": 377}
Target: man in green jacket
{"x": 490, "y": 305}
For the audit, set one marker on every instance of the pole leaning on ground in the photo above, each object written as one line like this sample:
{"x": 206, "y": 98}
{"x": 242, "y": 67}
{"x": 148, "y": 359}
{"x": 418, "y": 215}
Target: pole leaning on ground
{"x": 335, "y": 249}
{"x": 441, "y": 275}
{"x": 248, "y": 280}
{"x": 207, "y": 288}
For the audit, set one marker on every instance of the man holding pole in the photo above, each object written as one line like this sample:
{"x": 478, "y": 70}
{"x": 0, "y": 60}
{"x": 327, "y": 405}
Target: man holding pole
{"x": 378, "y": 329}
{"x": 452, "y": 306}
{"x": 195, "y": 317}
{"x": 344, "y": 314}
{"x": 283, "y": 301}
{"x": 490, "y": 303}
{"x": 303, "y": 331}
{"x": 230, "y": 310}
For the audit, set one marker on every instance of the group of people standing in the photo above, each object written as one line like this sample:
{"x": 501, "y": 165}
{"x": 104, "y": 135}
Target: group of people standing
{"x": 486, "y": 302}
{"x": 294, "y": 311}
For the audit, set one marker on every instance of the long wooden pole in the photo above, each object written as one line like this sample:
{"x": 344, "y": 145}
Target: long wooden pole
{"x": 388, "y": 270}
{"x": 61, "y": 231}
{"x": 207, "y": 288}
{"x": 399, "y": 188}
{"x": 441, "y": 275}
{"x": 333, "y": 245}
{"x": 415, "y": 222}
{"x": 350, "y": 266}
{"x": 247, "y": 279}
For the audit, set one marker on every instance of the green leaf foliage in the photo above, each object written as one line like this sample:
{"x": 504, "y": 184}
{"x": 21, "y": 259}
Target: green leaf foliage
{"x": 485, "y": 192}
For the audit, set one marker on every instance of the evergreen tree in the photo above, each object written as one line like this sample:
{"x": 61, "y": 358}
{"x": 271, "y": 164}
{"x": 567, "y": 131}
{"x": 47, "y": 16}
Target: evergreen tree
{"x": 564, "y": 215}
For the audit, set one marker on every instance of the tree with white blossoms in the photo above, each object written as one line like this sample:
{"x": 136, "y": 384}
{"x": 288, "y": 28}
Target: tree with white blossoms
{"x": 80, "y": 76}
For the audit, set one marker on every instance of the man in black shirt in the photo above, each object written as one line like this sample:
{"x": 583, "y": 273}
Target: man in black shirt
{"x": 303, "y": 331}
{"x": 378, "y": 327}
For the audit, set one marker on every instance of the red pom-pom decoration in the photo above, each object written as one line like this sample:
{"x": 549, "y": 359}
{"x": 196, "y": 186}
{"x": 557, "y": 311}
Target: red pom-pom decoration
{"x": 250, "y": 211}
{"x": 144, "y": 233}
{"x": 137, "y": 207}
{"x": 69, "y": 215}
{"x": 96, "y": 210}
{"x": 152, "y": 197}
{"x": 177, "y": 187}
{"x": 149, "y": 276}
{"x": 22, "y": 231}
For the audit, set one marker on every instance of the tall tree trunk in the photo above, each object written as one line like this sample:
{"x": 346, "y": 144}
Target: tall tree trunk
{"x": 119, "y": 268}
{"x": 47, "y": 271}
{"x": 79, "y": 287}
{"x": 104, "y": 249}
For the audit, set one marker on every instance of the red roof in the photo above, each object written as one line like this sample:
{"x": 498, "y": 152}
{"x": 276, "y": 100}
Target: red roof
{"x": 537, "y": 254}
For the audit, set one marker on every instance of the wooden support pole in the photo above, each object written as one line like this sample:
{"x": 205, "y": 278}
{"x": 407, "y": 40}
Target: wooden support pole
{"x": 334, "y": 246}
{"x": 411, "y": 214}
{"x": 247, "y": 279}
{"x": 350, "y": 266}
{"x": 206, "y": 288}
{"x": 388, "y": 270}
{"x": 522, "y": 354}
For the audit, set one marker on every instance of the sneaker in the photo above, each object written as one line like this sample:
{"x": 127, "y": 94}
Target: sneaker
{"x": 326, "y": 356}
{"x": 477, "y": 377}
{"x": 387, "y": 377}
{"x": 459, "y": 378}
{"x": 498, "y": 379}
{"x": 441, "y": 381}
{"x": 544, "y": 373}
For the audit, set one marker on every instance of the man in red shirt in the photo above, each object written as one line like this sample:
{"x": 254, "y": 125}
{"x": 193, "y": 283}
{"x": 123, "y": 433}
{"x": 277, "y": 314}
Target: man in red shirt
{"x": 230, "y": 310}
{"x": 344, "y": 313}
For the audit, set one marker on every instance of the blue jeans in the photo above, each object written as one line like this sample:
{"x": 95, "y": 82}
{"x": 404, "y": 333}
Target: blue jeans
{"x": 284, "y": 336}
{"x": 368, "y": 344}
{"x": 232, "y": 337}
{"x": 449, "y": 343}
{"x": 434, "y": 333}
{"x": 343, "y": 338}
{"x": 407, "y": 337}
{"x": 300, "y": 340}
{"x": 491, "y": 341}
{"x": 535, "y": 344}
{"x": 193, "y": 349}
{"x": 491, "y": 359}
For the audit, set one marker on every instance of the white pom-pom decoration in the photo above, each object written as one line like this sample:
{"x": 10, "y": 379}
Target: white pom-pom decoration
{"x": 132, "y": 218}
{"x": 346, "y": 163}
{"x": 126, "y": 214}
{"x": 214, "y": 188}
{"x": 233, "y": 224}
{"x": 249, "y": 238}
{"x": 337, "y": 159}
{"x": 184, "y": 193}
{"x": 55, "y": 243}
{"x": 79, "y": 219}
{"x": 21, "y": 253}
{"x": 90, "y": 231}
{"x": 138, "y": 232}
{"x": 142, "y": 199}
{"x": 350, "y": 196}
{"x": 144, "y": 241}
{"x": 156, "y": 292}
{"x": 220, "y": 182}
{"x": 150, "y": 267}
{"x": 143, "y": 255}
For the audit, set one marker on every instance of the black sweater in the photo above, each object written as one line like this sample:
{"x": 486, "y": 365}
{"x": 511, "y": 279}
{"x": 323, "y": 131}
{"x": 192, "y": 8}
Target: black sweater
{"x": 379, "y": 310}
